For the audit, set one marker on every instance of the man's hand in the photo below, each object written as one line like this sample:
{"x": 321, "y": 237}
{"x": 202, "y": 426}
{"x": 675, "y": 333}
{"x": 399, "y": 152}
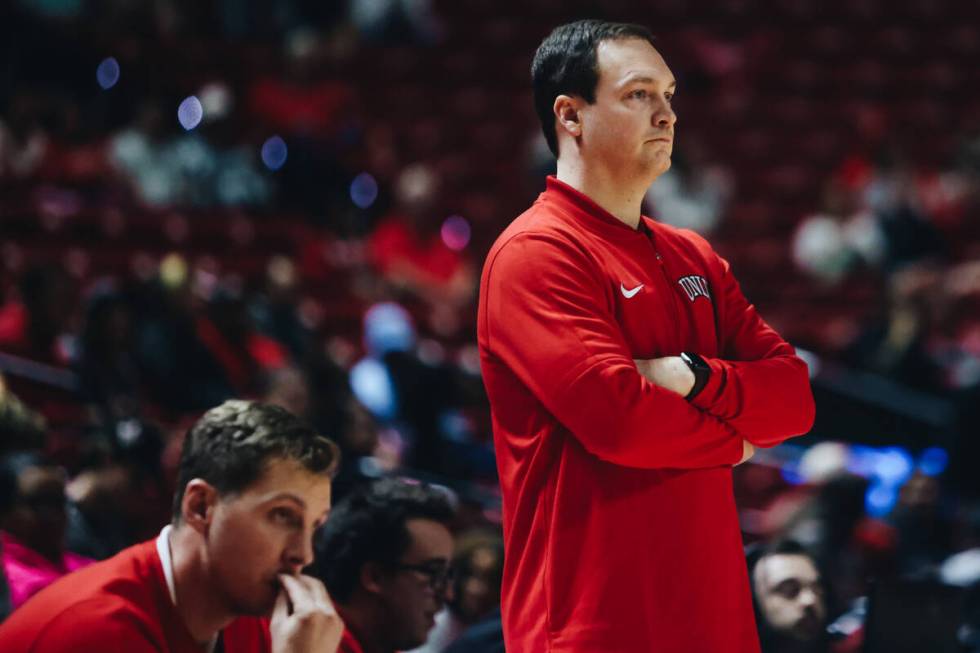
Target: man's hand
{"x": 748, "y": 450}
{"x": 304, "y": 619}
{"x": 670, "y": 372}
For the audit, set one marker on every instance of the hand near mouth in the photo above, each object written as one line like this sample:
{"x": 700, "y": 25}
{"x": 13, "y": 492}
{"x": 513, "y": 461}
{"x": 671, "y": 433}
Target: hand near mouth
{"x": 304, "y": 618}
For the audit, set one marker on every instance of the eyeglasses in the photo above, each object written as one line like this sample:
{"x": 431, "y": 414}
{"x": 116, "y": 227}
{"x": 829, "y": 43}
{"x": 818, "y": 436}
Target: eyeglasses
{"x": 438, "y": 575}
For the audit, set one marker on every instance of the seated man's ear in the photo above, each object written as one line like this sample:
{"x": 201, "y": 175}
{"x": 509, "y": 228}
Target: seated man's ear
{"x": 197, "y": 506}
{"x": 372, "y": 578}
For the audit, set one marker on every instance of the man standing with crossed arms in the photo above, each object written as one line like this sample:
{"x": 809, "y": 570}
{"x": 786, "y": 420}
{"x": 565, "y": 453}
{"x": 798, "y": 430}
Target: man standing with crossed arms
{"x": 627, "y": 375}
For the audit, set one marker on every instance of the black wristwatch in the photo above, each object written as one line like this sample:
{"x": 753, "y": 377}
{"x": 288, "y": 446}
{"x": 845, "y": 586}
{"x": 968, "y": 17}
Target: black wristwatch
{"x": 702, "y": 372}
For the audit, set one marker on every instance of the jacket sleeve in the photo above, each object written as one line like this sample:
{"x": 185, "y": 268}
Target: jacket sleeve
{"x": 758, "y": 385}
{"x": 547, "y": 320}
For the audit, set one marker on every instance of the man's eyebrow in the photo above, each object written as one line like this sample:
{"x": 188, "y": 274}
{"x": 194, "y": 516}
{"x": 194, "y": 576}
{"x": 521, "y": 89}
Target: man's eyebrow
{"x": 287, "y": 495}
{"x": 645, "y": 79}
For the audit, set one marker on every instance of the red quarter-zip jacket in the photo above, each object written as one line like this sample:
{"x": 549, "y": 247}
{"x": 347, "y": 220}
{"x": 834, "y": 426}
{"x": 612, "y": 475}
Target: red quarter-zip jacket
{"x": 620, "y": 524}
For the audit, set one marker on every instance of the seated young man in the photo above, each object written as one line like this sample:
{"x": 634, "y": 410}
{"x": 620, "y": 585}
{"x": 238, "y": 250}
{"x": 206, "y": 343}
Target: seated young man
{"x": 252, "y": 487}
{"x": 385, "y": 558}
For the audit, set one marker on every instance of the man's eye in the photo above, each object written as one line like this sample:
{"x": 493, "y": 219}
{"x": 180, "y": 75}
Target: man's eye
{"x": 283, "y": 516}
{"x": 638, "y": 94}
{"x": 669, "y": 96}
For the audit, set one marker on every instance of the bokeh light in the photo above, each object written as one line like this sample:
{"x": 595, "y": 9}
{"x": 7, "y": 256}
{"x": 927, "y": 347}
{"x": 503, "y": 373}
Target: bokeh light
{"x": 363, "y": 190}
{"x": 455, "y": 232}
{"x": 933, "y": 461}
{"x": 190, "y": 112}
{"x": 274, "y": 153}
{"x": 880, "y": 499}
{"x": 107, "y": 74}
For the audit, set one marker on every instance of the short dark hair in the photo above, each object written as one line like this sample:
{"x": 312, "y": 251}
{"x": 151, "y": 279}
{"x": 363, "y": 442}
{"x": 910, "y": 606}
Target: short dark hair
{"x": 566, "y": 64}
{"x": 369, "y": 526}
{"x": 230, "y": 445}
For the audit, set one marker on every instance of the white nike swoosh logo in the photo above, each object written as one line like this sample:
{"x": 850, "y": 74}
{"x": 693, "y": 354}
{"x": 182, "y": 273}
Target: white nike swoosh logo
{"x": 629, "y": 293}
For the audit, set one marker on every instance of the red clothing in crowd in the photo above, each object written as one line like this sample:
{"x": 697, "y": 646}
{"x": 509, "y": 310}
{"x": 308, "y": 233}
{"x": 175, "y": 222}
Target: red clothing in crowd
{"x": 396, "y": 249}
{"x": 620, "y": 523}
{"x": 28, "y": 572}
{"x": 119, "y": 605}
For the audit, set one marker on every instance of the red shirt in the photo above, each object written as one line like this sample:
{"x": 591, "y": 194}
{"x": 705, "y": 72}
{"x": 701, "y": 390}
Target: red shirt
{"x": 619, "y": 517}
{"x": 120, "y": 605}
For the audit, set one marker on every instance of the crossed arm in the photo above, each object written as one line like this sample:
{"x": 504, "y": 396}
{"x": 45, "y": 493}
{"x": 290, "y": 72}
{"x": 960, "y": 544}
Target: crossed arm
{"x": 544, "y": 318}
{"x": 672, "y": 373}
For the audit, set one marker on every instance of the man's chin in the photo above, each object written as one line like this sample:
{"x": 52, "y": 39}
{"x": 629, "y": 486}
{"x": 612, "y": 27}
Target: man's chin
{"x": 259, "y": 606}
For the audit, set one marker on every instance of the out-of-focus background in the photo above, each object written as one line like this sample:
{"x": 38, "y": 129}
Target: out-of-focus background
{"x": 292, "y": 201}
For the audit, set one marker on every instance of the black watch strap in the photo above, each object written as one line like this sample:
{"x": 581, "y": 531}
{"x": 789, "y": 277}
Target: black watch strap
{"x": 702, "y": 372}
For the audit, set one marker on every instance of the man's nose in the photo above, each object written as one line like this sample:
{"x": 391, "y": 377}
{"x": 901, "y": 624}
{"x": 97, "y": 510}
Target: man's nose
{"x": 300, "y": 551}
{"x": 664, "y": 117}
{"x": 808, "y": 597}
{"x": 447, "y": 593}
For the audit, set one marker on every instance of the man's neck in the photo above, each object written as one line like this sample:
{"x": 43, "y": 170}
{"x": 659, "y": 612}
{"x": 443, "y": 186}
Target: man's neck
{"x": 203, "y": 613}
{"x": 622, "y": 198}
{"x": 359, "y": 619}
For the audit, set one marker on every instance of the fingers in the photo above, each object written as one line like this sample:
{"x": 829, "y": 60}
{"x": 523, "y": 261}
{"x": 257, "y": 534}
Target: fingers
{"x": 281, "y": 609}
{"x": 306, "y": 593}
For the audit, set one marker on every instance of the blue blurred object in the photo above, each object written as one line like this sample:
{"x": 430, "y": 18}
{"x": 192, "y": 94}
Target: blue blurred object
{"x": 388, "y": 327}
{"x": 274, "y": 153}
{"x": 190, "y": 112}
{"x": 790, "y": 471}
{"x": 363, "y": 190}
{"x": 933, "y": 461}
{"x": 893, "y": 465}
{"x": 880, "y": 498}
{"x": 373, "y": 386}
{"x": 107, "y": 74}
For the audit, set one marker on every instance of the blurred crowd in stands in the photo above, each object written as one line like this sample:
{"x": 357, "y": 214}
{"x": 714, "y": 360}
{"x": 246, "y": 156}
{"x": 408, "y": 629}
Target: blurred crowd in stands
{"x": 291, "y": 201}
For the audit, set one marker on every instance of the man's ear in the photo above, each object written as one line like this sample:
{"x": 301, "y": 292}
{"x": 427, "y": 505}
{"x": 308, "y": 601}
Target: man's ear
{"x": 197, "y": 506}
{"x": 372, "y": 577}
{"x": 568, "y": 116}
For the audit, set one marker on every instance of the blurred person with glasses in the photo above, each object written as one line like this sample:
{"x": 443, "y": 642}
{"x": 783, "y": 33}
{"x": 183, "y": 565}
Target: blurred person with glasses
{"x": 384, "y": 555}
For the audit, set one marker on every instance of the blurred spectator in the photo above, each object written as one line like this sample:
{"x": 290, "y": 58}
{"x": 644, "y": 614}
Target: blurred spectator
{"x": 692, "y": 194}
{"x": 409, "y": 250}
{"x": 475, "y": 604}
{"x": 244, "y": 354}
{"x": 792, "y": 599}
{"x": 276, "y": 310}
{"x": 33, "y": 527}
{"x": 385, "y": 556}
{"x": 181, "y": 373}
{"x": 898, "y": 345}
{"x": 408, "y": 386}
{"x": 38, "y": 329}
{"x": 101, "y": 513}
{"x": 827, "y": 525}
{"x": 829, "y": 244}
{"x": 108, "y": 370}
{"x": 923, "y": 529}
{"x": 188, "y": 169}
{"x": 34, "y": 325}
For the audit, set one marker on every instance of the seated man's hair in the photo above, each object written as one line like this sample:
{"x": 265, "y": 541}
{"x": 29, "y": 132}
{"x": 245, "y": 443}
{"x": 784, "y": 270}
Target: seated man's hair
{"x": 369, "y": 526}
{"x": 231, "y": 444}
